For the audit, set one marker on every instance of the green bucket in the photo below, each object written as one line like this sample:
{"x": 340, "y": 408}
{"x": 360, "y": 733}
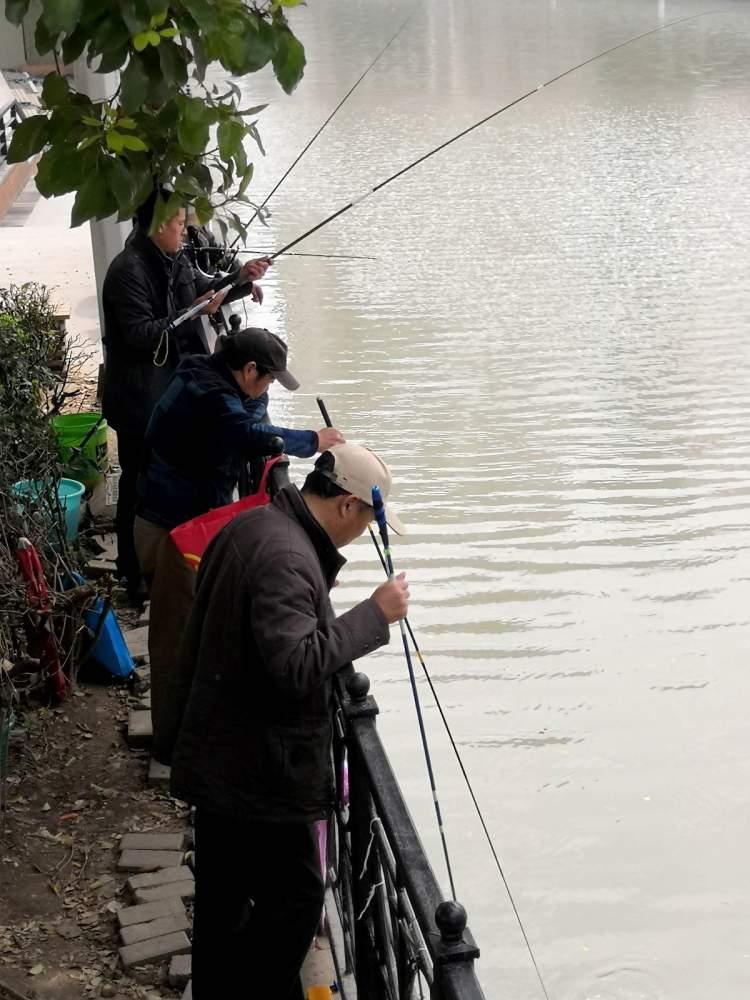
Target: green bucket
{"x": 82, "y": 446}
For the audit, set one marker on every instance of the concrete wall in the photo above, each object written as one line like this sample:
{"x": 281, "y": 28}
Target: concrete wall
{"x": 12, "y": 52}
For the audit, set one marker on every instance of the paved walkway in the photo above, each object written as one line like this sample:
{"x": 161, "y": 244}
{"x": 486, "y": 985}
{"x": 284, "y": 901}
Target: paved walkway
{"x": 37, "y": 244}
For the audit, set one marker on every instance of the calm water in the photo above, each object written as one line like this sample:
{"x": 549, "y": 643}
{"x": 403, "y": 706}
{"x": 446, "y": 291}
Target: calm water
{"x": 552, "y": 351}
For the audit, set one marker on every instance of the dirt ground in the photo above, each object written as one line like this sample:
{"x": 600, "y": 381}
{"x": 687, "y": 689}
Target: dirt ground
{"x": 74, "y": 789}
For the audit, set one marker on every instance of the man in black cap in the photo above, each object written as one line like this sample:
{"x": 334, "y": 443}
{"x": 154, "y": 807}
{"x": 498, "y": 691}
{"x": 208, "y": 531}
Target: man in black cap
{"x": 202, "y": 430}
{"x": 148, "y": 285}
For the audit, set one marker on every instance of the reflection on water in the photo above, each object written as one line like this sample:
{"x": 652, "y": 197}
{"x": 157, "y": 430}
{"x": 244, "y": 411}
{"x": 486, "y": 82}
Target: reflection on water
{"x": 551, "y": 349}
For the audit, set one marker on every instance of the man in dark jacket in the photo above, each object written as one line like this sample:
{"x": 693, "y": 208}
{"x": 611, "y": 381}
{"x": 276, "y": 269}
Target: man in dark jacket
{"x": 201, "y": 431}
{"x": 252, "y": 705}
{"x": 147, "y": 286}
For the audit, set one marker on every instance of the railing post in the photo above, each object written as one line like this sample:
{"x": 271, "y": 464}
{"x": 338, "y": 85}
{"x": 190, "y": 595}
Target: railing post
{"x": 367, "y": 973}
{"x": 454, "y": 955}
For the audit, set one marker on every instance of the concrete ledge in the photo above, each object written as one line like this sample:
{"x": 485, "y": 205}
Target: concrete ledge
{"x": 14, "y": 182}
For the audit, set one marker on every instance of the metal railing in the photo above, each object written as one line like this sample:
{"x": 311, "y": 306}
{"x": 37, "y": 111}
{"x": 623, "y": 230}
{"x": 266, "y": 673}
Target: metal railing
{"x": 11, "y": 115}
{"x": 402, "y": 939}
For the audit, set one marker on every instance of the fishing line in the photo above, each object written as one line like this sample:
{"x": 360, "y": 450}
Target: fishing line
{"x": 380, "y": 517}
{"x": 327, "y": 419}
{"x": 343, "y": 101}
{"x": 483, "y": 121}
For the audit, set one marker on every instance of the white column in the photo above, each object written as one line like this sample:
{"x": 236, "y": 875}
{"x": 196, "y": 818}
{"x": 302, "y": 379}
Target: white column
{"x": 107, "y": 237}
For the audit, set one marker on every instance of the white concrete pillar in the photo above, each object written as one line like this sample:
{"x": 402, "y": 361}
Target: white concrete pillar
{"x": 108, "y": 236}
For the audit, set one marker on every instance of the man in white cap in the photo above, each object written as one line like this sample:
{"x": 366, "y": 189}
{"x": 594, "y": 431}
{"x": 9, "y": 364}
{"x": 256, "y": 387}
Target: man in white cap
{"x": 253, "y": 722}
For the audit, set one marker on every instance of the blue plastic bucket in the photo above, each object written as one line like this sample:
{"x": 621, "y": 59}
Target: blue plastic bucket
{"x": 69, "y": 492}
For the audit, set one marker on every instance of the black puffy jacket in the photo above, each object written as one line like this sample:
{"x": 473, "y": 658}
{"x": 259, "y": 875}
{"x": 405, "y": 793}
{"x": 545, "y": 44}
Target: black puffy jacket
{"x": 251, "y": 698}
{"x": 144, "y": 290}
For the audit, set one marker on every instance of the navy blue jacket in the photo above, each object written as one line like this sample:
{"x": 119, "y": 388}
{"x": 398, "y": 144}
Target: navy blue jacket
{"x": 201, "y": 431}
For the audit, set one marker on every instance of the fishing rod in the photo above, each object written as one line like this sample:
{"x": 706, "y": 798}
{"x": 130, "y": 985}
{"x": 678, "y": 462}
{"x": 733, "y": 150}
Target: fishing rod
{"x": 406, "y": 624}
{"x": 344, "y": 99}
{"x": 328, "y": 256}
{"x": 379, "y": 508}
{"x": 483, "y": 121}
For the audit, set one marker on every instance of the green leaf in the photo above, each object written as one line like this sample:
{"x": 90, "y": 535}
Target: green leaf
{"x": 158, "y": 18}
{"x": 289, "y": 59}
{"x": 200, "y": 57}
{"x": 246, "y": 178}
{"x": 85, "y": 143}
{"x": 230, "y": 135}
{"x": 141, "y": 41}
{"x": 169, "y": 33}
{"x": 15, "y": 10}
{"x": 126, "y": 123}
{"x": 173, "y": 64}
{"x": 187, "y": 184}
{"x": 203, "y": 13}
{"x": 94, "y": 199}
{"x": 193, "y": 127}
{"x": 240, "y": 160}
{"x": 74, "y": 45}
{"x": 245, "y": 112}
{"x": 55, "y": 90}
{"x": 114, "y": 141}
{"x": 135, "y": 85}
{"x": 62, "y": 169}
{"x": 154, "y": 38}
{"x": 204, "y": 210}
{"x": 123, "y": 182}
{"x": 113, "y": 59}
{"x": 253, "y": 131}
{"x": 28, "y": 138}
{"x": 94, "y": 122}
{"x": 44, "y": 39}
{"x": 134, "y": 143}
{"x": 61, "y": 15}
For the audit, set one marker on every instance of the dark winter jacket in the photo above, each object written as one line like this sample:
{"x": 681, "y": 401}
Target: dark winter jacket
{"x": 200, "y": 432}
{"x": 260, "y": 650}
{"x": 144, "y": 290}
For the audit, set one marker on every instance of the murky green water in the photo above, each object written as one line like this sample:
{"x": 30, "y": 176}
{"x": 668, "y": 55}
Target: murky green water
{"x": 552, "y": 350}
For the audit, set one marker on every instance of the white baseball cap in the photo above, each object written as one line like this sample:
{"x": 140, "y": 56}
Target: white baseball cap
{"x": 356, "y": 469}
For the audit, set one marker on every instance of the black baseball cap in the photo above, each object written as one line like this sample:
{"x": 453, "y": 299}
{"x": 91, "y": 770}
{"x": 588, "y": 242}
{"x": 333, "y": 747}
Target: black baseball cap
{"x": 261, "y": 346}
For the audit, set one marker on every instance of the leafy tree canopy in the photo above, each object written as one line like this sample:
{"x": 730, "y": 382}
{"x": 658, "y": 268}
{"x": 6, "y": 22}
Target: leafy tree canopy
{"x": 167, "y": 123}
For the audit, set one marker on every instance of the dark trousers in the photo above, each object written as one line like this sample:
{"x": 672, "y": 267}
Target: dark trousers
{"x": 258, "y": 901}
{"x": 131, "y": 450}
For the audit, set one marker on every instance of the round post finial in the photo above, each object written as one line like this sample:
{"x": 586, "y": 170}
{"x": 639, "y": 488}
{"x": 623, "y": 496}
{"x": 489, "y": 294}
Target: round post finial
{"x": 450, "y": 918}
{"x": 358, "y": 686}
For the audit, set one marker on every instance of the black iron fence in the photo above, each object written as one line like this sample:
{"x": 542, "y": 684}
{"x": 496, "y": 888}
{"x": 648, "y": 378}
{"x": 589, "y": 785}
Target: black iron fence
{"x": 402, "y": 940}
{"x": 11, "y": 116}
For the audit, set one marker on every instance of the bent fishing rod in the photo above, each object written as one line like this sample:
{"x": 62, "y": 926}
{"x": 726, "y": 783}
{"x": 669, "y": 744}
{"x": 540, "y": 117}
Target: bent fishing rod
{"x": 259, "y": 210}
{"x": 405, "y": 624}
{"x": 482, "y": 121}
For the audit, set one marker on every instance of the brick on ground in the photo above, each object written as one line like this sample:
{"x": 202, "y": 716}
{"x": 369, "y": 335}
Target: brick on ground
{"x": 161, "y": 877}
{"x": 149, "y": 911}
{"x": 158, "y": 774}
{"x": 96, "y": 568}
{"x": 157, "y": 840}
{"x": 173, "y": 890}
{"x": 179, "y": 971}
{"x": 140, "y": 730}
{"x": 148, "y": 861}
{"x": 155, "y": 928}
{"x": 137, "y": 640}
{"x": 154, "y": 949}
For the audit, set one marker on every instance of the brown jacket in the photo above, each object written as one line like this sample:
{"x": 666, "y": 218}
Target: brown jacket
{"x": 261, "y": 648}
